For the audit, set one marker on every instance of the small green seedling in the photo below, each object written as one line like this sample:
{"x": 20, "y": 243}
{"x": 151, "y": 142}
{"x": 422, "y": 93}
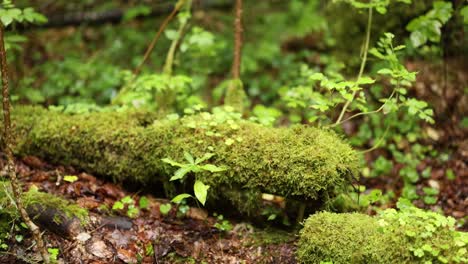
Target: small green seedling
{"x": 222, "y": 224}
{"x": 165, "y": 208}
{"x": 193, "y": 165}
{"x": 129, "y": 203}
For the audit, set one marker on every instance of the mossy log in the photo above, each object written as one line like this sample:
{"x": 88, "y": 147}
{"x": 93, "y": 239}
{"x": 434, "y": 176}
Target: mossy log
{"x": 46, "y": 210}
{"x": 54, "y": 213}
{"x": 411, "y": 237}
{"x": 304, "y": 163}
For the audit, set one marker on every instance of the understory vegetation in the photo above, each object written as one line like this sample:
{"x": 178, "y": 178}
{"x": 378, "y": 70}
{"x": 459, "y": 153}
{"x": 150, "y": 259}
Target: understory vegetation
{"x": 230, "y": 131}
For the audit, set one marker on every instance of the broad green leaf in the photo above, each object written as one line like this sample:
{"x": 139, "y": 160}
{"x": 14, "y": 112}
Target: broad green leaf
{"x": 418, "y": 39}
{"x": 127, "y": 200}
{"x": 133, "y": 12}
{"x": 132, "y": 212}
{"x": 366, "y": 80}
{"x": 430, "y": 200}
{"x": 464, "y": 13}
{"x": 205, "y": 157}
{"x": 118, "y": 206}
{"x": 212, "y": 168}
{"x": 385, "y": 71}
{"x": 70, "y": 178}
{"x": 165, "y": 208}
{"x": 201, "y": 191}
{"x": 33, "y": 17}
{"x": 180, "y": 173}
{"x": 188, "y": 157}
{"x": 180, "y": 197}
{"x": 144, "y": 202}
{"x": 172, "y": 163}
{"x": 317, "y": 76}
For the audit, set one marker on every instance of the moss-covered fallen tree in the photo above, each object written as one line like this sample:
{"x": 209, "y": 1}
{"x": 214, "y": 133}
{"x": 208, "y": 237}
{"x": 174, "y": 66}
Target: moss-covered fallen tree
{"x": 299, "y": 162}
{"x": 410, "y": 235}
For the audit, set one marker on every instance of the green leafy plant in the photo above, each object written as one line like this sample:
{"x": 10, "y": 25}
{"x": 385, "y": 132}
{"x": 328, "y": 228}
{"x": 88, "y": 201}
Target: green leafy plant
{"x": 165, "y": 208}
{"x": 129, "y": 205}
{"x": 221, "y": 223}
{"x": 10, "y": 14}
{"x": 193, "y": 166}
{"x": 423, "y": 228}
{"x": 428, "y": 27}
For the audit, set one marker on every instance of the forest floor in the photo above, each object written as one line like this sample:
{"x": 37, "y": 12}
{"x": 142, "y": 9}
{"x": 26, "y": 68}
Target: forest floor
{"x": 149, "y": 238}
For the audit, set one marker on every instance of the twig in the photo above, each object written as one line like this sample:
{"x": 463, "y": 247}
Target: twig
{"x": 7, "y": 138}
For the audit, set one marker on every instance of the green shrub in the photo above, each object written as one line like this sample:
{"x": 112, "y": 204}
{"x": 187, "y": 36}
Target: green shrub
{"x": 409, "y": 235}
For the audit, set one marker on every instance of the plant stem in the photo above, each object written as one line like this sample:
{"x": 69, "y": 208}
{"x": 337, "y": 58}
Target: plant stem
{"x": 168, "y": 65}
{"x": 163, "y": 26}
{"x": 367, "y": 113}
{"x": 363, "y": 65}
{"x": 10, "y": 167}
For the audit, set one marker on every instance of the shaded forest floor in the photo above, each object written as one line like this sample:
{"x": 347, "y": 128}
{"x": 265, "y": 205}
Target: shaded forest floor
{"x": 152, "y": 237}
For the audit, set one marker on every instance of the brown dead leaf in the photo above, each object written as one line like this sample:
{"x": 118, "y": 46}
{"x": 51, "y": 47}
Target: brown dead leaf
{"x": 126, "y": 256}
{"x": 88, "y": 203}
{"x": 197, "y": 213}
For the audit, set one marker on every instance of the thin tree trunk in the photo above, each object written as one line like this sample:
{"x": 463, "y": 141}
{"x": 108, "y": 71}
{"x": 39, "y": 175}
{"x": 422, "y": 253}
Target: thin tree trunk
{"x": 7, "y": 137}
{"x": 235, "y": 94}
{"x": 237, "y": 41}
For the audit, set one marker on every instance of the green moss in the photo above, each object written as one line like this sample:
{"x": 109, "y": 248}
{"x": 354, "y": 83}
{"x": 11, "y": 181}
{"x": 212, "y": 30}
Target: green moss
{"x": 269, "y": 236}
{"x": 300, "y": 162}
{"x": 46, "y": 200}
{"x": 410, "y": 235}
{"x": 9, "y": 212}
{"x": 173, "y": 257}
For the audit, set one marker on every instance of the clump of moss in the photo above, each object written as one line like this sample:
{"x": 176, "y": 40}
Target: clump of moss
{"x": 269, "y": 236}
{"x": 46, "y": 200}
{"x": 32, "y": 198}
{"x": 409, "y": 235}
{"x": 299, "y": 162}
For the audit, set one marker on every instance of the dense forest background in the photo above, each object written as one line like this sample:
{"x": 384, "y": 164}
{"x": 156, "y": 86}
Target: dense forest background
{"x": 392, "y": 82}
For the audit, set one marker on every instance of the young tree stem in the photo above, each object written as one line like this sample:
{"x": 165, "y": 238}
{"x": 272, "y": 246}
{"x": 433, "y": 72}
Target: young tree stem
{"x": 236, "y": 65}
{"x": 10, "y": 167}
{"x": 363, "y": 65}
